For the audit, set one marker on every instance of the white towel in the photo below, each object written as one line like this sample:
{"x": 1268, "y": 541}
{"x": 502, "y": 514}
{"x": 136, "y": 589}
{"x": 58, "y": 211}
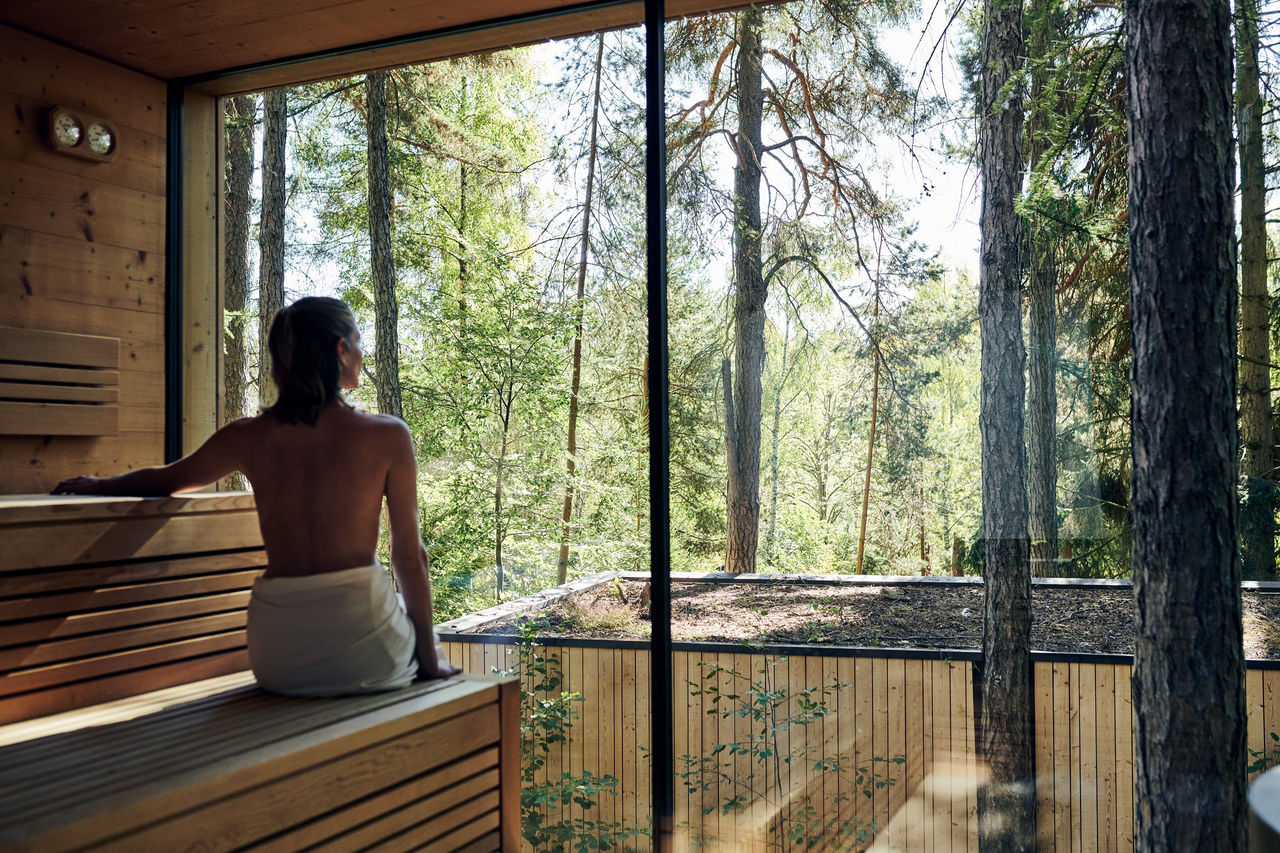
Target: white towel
{"x": 330, "y": 634}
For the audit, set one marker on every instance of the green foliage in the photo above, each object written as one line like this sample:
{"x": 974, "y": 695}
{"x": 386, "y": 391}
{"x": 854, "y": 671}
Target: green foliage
{"x": 802, "y": 819}
{"x": 1266, "y": 758}
{"x": 547, "y": 715}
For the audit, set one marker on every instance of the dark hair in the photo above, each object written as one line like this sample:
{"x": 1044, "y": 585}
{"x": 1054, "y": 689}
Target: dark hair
{"x": 304, "y": 356}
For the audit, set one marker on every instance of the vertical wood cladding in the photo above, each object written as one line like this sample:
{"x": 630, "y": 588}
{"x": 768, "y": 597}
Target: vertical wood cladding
{"x": 82, "y": 245}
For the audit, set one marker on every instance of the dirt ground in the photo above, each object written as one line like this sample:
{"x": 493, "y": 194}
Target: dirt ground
{"x": 1096, "y": 620}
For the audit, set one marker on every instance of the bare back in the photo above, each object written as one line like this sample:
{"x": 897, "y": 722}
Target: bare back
{"x": 318, "y": 488}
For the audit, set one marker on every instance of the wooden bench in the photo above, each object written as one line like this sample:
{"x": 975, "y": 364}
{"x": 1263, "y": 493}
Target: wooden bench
{"x": 114, "y": 613}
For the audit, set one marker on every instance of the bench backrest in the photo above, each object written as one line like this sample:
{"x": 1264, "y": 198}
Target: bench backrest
{"x": 106, "y": 598}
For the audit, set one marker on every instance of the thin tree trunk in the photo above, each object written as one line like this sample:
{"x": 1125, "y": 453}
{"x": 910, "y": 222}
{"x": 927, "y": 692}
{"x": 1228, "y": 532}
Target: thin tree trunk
{"x": 271, "y": 233}
{"x": 871, "y": 437}
{"x": 771, "y": 535}
{"x": 1006, "y": 804}
{"x": 240, "y": 112}
{"x": 748, "y": 306}
{"x": 1257, "y": 511}
{"x": 386, "y": 358}
{"x": 1188, "y": 677}
{"x": 575, "y": 381}
{"x": 499, "y": 532}
{"x": 1042, "y": 332}
{"x": 730, "y": 449}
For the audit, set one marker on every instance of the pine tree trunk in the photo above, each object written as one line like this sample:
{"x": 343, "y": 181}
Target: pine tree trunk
{"x": 271, "y": 233}
{"x": 1188, "y": 679}
{"x": 1257, "y": 511}
{"x": 575, "y": 380}
{"x": 1006, "y": 805}
{"x": 386, "y": 358}
{"x": 1042, "y": 333}
{"x": 240, "y": 115}
{"x": 871, "y": 435}
{"x": 748, "y": 305}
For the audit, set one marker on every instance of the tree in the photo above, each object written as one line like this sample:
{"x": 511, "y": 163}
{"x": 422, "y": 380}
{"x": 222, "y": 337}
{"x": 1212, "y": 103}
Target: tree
{"x": 1188, "y": 677}
{"x": 1258, "y": 508}
{"x": 386, "y": 369}
{"x": 1006, "y": 810}
{"x": 239, "y": 119}
{"x": 1042, "y": 328}
{"x": 575, "y": 380}
{"x": 271, "y": 232}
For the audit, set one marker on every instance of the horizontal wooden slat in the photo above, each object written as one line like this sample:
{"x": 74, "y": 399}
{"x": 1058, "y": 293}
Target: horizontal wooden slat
{"x": 141, "y": 335}
{"x": 43, "y": 654}
{"x": 31, "y": 607}
{"x": 336, "y": 826}
{"x": 53, "y": 580}
{"x": 438, "y": 803}
{"x": 453, "y": 839}
{"x": 485, "y": 844}
{"x": 77, "y": 624}
{"x": 30, "y": 547}
{"x": 24, "y": 681}
{"x": 43, "y": 373}
{"x": 41, "y": 703}
{"x": 58, "y": 419}
{"x": 57, "y": 393}
{"x": 58, "y": 348}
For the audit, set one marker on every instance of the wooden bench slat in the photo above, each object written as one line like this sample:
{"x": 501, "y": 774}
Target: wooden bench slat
{"x": 54, "y": 700}
{"x": 335, "y": 823}
{"x": 53, "y": 580}
{"x": 445, "y": 801}
{"x": 122, "y": 757}
{"x": 264, "y": 810}
{"x": 30, "y": 607}
{"x": 59, "y": 818}
{"x": 46, "y": 629}
{"x": 24, "y": 681}
{"x": 17, "y": 658}
{"x": 462, "y": 836}
{"x": 490, "y": 843}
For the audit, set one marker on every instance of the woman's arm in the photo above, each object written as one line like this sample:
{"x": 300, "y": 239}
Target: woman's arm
{"x": 408, "y": 555}
{"x": 215, "y": 459}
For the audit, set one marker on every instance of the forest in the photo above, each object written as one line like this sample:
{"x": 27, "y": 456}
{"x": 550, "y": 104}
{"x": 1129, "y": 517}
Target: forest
{"x": 485, "y": 218}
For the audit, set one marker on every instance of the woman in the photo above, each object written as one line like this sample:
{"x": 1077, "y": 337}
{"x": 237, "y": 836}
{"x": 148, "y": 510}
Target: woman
{"x": 323, "y": 618}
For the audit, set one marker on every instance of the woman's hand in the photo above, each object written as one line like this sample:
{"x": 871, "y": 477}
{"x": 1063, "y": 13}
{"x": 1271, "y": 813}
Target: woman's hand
{"x": 442, "y": 668}
{"x": 78, "y": 486}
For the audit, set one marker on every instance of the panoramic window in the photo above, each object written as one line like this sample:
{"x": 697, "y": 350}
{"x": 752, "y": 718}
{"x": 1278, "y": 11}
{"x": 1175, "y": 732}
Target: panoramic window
{"x": 485, "y": 218}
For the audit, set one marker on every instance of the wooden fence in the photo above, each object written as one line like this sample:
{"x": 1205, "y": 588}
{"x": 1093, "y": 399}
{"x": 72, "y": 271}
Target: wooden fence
{"x": 899, "y": 717}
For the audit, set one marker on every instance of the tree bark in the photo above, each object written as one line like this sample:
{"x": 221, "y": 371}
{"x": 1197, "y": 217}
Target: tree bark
{"x": 748, "y": 305}
{"x": 1006, "y": 805}
{"x": 386, "y": 358}
{"x": 1042, "y": 333}
{"x": 575, "y": 379}
{"x": 871, "y": 435}
{"x": 1188, "y": 679}
{"x": 271, "y": 233}
{"x": 1257, "y": 511}
{"x": 239, "y": 116}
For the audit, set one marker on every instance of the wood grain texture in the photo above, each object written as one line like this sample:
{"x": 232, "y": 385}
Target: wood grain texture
{"x": 82, "y": 244}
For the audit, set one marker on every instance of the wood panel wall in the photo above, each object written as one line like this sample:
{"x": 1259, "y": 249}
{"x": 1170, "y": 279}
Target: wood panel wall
{"x": 918, "y": 710}
{"x": 82, "y": 245}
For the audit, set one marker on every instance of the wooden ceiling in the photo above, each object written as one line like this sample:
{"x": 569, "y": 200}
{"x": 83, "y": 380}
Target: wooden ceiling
{"x": 181, "y": 39}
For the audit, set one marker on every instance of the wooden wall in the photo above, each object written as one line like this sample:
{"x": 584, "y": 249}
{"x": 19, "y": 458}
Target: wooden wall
{"x": 82, "y": 245}
{"x": 918, "y": 709}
